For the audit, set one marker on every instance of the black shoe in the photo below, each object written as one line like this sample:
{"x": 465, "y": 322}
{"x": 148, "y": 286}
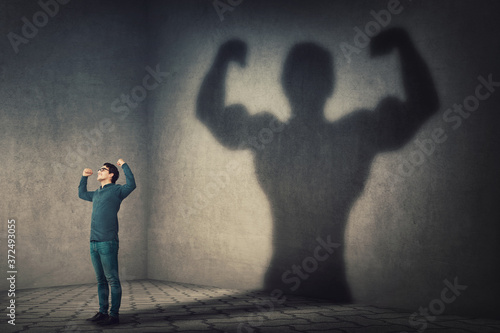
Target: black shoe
{"x": 98, "y": 317}
{"x": 110, "y": 321}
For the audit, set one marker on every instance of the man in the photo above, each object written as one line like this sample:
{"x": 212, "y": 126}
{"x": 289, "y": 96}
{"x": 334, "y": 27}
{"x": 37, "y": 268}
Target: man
{"x": 313, "y": 170}
{"x": 104, "y": 235}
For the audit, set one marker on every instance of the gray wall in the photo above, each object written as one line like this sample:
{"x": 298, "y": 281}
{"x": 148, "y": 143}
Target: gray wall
{"x": 199, "y": 214}
{"x": 410, "y": 229}
{"x": 56, "y": 94}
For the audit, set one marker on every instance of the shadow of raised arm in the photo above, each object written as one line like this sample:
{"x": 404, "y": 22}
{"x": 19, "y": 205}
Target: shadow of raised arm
{"x": 227, "y": 124}
{"x": 396, "y": 121}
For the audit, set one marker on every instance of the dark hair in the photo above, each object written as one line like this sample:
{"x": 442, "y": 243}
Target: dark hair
{"x": 114, "y": 171}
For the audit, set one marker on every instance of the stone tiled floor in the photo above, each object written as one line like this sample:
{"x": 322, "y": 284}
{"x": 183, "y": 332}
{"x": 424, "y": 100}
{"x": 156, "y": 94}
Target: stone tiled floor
{"x": 157, "y": 306}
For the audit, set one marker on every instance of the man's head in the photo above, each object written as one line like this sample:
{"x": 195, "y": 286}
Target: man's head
{"x": 108, "y": 171}
{"x": 308, "y": 74}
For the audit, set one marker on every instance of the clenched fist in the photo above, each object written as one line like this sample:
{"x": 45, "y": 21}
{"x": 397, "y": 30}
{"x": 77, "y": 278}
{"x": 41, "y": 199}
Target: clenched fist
{"x": 120, "y": 162}
{"x": 87, "y": 172}
{"x": 234, "y": 50}
{"x": 387, "y": 40}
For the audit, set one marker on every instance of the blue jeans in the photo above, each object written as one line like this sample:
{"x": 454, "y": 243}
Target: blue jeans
{"x": 104, "y": 257}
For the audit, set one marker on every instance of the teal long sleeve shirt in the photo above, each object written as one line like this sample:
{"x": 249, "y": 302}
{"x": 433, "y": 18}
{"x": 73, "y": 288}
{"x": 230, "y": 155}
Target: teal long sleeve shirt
{"x": 106, "y": 203}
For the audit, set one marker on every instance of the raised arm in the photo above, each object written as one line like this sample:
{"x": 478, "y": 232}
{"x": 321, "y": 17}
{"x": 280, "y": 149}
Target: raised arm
{"x": 227, "y": 124}
{"x": 82, "y": 188}
{"x": 126, "y": 189}
{"x": 397, "y": 122}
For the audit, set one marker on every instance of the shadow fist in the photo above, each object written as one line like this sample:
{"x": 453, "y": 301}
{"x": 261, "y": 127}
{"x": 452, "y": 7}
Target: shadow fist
{"x": 234, "y": 50}
{"x": 387, "y": 40}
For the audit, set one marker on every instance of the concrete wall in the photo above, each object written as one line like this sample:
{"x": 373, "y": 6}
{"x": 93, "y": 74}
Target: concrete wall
{"x": 202, "y": 212}
{"x": 56, "y": 94}
{"x": 412, "y": 227}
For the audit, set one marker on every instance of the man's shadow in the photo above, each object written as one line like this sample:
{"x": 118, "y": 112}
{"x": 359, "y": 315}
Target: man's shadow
{"x": 311, "y": 170}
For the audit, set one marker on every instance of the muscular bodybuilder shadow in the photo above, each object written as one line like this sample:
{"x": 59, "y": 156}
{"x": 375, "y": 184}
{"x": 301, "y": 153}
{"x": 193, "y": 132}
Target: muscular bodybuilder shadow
{"x": 312, "y": 170}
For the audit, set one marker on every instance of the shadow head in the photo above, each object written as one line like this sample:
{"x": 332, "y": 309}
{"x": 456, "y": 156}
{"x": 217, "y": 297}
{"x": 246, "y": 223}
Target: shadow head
{"x": 308, "y": 78}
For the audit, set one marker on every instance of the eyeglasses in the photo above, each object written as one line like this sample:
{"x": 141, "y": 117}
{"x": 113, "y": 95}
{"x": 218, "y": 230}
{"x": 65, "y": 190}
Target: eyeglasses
{"x": 103, "y": 169}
